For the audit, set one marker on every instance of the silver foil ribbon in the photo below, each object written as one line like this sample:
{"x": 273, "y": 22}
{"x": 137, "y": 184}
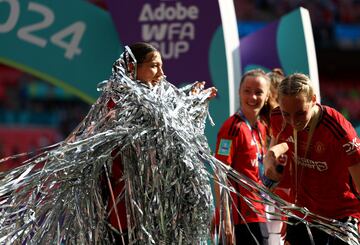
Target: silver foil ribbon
{"x": 158, "y": 131}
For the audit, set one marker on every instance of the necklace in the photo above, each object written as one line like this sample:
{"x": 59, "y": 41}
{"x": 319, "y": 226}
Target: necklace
{"x": 259, "y": 146}
{"x": 313, "y": 123}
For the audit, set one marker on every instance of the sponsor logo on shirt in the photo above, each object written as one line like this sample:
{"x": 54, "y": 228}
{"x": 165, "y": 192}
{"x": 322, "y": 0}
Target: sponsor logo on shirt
{"x": 308, "y": 163}
{"x": 352, "y": 146}
{"x": 254, "y": 162}
{"x": 320, "y": 147}
{"x": 224, "y": 147}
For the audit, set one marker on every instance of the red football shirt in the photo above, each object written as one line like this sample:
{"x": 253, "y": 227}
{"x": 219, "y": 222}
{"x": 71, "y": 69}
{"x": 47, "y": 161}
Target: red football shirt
{"x": 323, "y": 180}
{"x": 117, "y": 185}
{"x": 236, "y": 147}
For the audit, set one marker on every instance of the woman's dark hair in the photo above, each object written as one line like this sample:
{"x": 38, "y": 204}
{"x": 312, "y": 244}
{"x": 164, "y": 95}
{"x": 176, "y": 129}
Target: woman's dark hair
{"x": 276, "y": 75}
{"x": 140, "y": 50}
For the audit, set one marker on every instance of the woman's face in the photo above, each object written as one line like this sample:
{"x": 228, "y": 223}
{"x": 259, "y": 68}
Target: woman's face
{"x": 150, "y": 71}
{"x": 297, "y": 110}
{"x": 254, "y": 91}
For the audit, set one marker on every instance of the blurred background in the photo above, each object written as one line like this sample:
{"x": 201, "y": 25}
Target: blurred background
{"x": 35, "y": 113}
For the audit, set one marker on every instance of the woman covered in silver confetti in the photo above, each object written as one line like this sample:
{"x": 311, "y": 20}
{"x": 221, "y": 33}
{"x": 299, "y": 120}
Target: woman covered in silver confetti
{"x": 143, "y": 131}
{"x": 148, "y": 70}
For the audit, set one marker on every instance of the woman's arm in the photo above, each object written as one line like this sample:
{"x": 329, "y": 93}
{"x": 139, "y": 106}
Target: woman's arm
{"x": 223, "y": 206}
{"x": 273, "y": 159}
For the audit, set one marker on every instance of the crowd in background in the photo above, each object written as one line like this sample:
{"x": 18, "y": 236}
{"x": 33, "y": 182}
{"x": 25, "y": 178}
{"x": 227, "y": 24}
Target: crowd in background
{"x": 35, "y": 111}
{"x": 335, "y": 22}
{"x": 323, "y": 12}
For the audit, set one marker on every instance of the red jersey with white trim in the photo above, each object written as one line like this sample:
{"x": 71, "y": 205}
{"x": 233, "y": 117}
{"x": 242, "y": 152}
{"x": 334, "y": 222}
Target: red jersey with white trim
{"x": 324, "y": 183}
{"x": 118, "y": 186}
{"x": 236, "y": 147}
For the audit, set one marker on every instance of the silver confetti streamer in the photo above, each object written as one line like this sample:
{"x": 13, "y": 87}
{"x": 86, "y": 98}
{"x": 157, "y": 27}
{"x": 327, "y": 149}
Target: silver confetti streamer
{"x": 158, "y": 131}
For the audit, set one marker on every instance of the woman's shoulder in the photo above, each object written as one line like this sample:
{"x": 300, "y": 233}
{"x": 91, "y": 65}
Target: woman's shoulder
{"x": 232, "y": 126}
{"x": 276, "y": 119}
{"x": 276, "y": 112}
{"x": 335, "y": 122}
{"x": 339, "y": 132}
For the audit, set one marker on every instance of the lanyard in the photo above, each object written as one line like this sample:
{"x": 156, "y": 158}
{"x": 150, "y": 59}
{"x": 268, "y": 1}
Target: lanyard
{"x": 313, "y": 124}
{"x": 259, "y": 149}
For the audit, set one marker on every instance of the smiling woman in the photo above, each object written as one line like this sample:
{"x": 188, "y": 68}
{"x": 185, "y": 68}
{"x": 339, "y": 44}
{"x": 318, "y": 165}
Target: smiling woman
{"x": 241, "y": 144}
{"x": 322, "y": 171}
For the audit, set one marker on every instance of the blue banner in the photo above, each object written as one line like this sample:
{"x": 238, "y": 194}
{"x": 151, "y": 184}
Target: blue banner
{"x": 71, "y": 44}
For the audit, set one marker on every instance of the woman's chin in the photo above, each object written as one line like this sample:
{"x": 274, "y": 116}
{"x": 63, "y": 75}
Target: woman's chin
{"x": 154, "y": 82}
{"x": 252, "y": 109}
{"x": 255, "y": 110}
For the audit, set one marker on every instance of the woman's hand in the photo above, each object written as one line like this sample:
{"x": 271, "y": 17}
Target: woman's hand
{"x": 229, "y": 234}
{"x": 212, "y": 91}
{"x": 275, "y": 160}
{"x": 198, "y": 88}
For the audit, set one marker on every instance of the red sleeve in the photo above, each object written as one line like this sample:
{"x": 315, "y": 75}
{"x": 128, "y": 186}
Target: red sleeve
{"x": 227, "y": 141}
{"x": 344, "y": 134}
{"x": 350, "y": 141}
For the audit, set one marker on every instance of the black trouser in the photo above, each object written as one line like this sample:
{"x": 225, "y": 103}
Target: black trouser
{"x": 299, "y": 235}
{"x": 258, "y": 230}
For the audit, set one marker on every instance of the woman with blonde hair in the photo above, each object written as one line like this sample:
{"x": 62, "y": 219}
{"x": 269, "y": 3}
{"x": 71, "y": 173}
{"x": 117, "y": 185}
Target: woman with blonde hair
{"x": 323, "y": 160}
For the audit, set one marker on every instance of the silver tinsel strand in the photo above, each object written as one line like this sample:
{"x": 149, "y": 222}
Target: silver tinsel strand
{"x": 57, "y": 196}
